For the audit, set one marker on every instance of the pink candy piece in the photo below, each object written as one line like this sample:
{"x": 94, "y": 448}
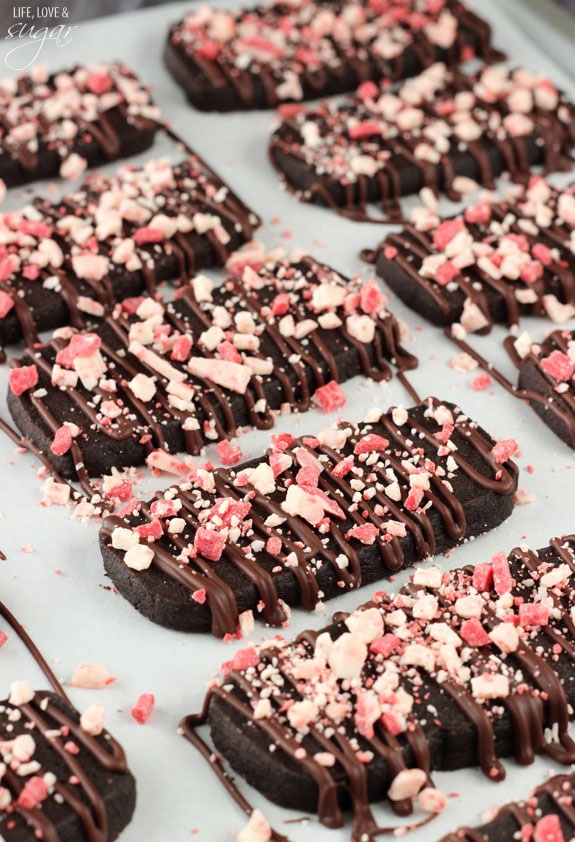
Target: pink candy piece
{"x": 99, "y": 83}
{"x": 230, "y": 454}
{"x": 446, "y": 232}
{"x": 368, "y": 90}
{"x": 413, "y": 499}
{"x": 80, "y": 345}
{"x": 181, "y": 348}
{"x": 559, "y": 366}
{"x": 533, "y": 614}
{"x": 330, "y": 397}
{"x": 548, "y": 829}
{"x": 274, "y": 545}
{"x": 504, "y": 449}
{"x": 242, "y": 660}
{"x": 3, "y": 638}
{"x": 385, "y": 645}
{"x": 33, "y": 793}
{"x": 143, "y": 708}
{"x": 473, "y": 633}
{"x": 151, "y": 531}
{"x": 62, "y": 441}
{"x": 6, "y": 303}
{"x": 366, "y": 533}
{"x": 92, "y": 677}
{"x": 200, "y": 596}
{"x": 481, "y": 382}
{"x": 367, "y": 128}
{"x": 370, "y": 298}
{"x": 369, "y": 443}
{"x": 208, "y": 543}
{"x": 478, "y": 213}
{"x": 23, "y": 378}
{"x": 501, "y": 573}
{"x": 482, "y": 576}
{"x": 446, "y": 273}
{"x": 148, "y": 235}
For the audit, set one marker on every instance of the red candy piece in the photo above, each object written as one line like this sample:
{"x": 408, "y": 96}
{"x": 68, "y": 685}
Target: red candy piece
{"x": 6, "y": 303}
{"x": 531, "y": 273}
{"x": 366, "y": 128}
{"x": 34, "y": 792}
{"x": 163, "y": 508}
{"x": 501, "y": 574}
{"x": 481, "y": 382}
{"x": 343, "y": 467}
{"x": 34, "y": 229}
{"x": 143, "y": 708}
{"x": 366, "y": 533}
{"x": 62, "y": 441}
{"x": 148, "y": 235}
{"x": 99, "y": 83}
{"x": 23, "y": 378}
{"x": 446, "y": 273}
{"x": 282, "y": 441}
{"x": 369, "y": 443}
{"x": 151, "y": 531}
{"x": 368, "y": 90}
{"x": 503, "y": 450}
{"x": 242, "y": 660}
{"x": 229, "y": 352}
{"x": 478, "y": 213}
{"x": 330, "y": 397}
{"x": 181, "y": 348}
{"x": 122, "y": 491}
{"x": 274, "y": 545}
{"x": 413, "y": 499}
{"x": 3, "y": 639}
{"x": 392, "y": 724}
{"x": 473, "y": 633}
{"x": 8, "y": 265}
{"x": 533, "y": 614}
{"x": 548, "y": 829}
{"x": 559, "y": 366}
{"x": 200, "y": 596}
{"x": 208, "y": 543}
{"x": 446, "y": 232}
{"x": 209, "y": 50}
{"x": 482, "y": 576}
{"x": 230, "y": 454}
{"x": 280, "y": 304}
{"x": 543, "y": 253}
{"x": 370, "y": 298}
{"x": 80, "y": 345}
{"x": 385, "y": 645}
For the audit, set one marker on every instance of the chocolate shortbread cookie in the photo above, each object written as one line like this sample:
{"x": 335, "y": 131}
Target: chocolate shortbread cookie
{"x": 459, "y": 669}
{"x": 316, "y": 516}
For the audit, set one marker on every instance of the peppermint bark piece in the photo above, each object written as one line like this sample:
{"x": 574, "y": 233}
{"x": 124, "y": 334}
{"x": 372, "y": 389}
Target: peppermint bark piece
{"x": 314, "y": 517}
{"x": 180, "y": 375}
{"x": 547, "y": 814}
{"x": 66, "y": 121}
{"x": 441, "y": 130}
{"x": 70, "y": 261}
{"x": 459, "y": 669}
{"x": 493, "y": 263}
{"x": 280, "y": 52}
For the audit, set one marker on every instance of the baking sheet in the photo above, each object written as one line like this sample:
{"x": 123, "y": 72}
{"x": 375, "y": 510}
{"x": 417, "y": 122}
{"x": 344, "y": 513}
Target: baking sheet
{"x": 53, "y": 576}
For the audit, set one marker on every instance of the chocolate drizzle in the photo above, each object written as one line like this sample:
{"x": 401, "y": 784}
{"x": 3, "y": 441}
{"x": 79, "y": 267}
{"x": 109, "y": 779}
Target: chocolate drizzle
{"x": 53, "y": 718}
{"x": 532, "y": 701}
{"x": 338, "y": 555}
{"x": 378, "y": 146}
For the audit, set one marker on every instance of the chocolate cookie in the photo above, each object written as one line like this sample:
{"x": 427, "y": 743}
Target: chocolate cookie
{"x": 546, "y": 380}
{"x": 283, "y": 52}
{"x": 548, "y": 814}
{"x": 177, "y": 376}
{"x": 441, "y": 130}
{"x": 316, "y": 516}
{"x": 493, "y": 263}
{"x": 64, "y": 777}
{"x": 66, "y": 121}
{"x": 69, "y": 261}
{"x": 459, "y": 669}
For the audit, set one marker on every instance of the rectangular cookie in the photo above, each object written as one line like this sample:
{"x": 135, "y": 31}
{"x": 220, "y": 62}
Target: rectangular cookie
{"x": 177, "y": 376}
{"x": 441, "y": 130}
{"x": 279, "y": 52}
{"x": 68, "y": 261}
{"x": 315, "y": 516}
{"x": 459, "y": 669}
{"x": 492, "y": 263}
{"x": 64, "y": 777}
{"x": 547, "y": 815}
{"x": 61, "y": 123}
